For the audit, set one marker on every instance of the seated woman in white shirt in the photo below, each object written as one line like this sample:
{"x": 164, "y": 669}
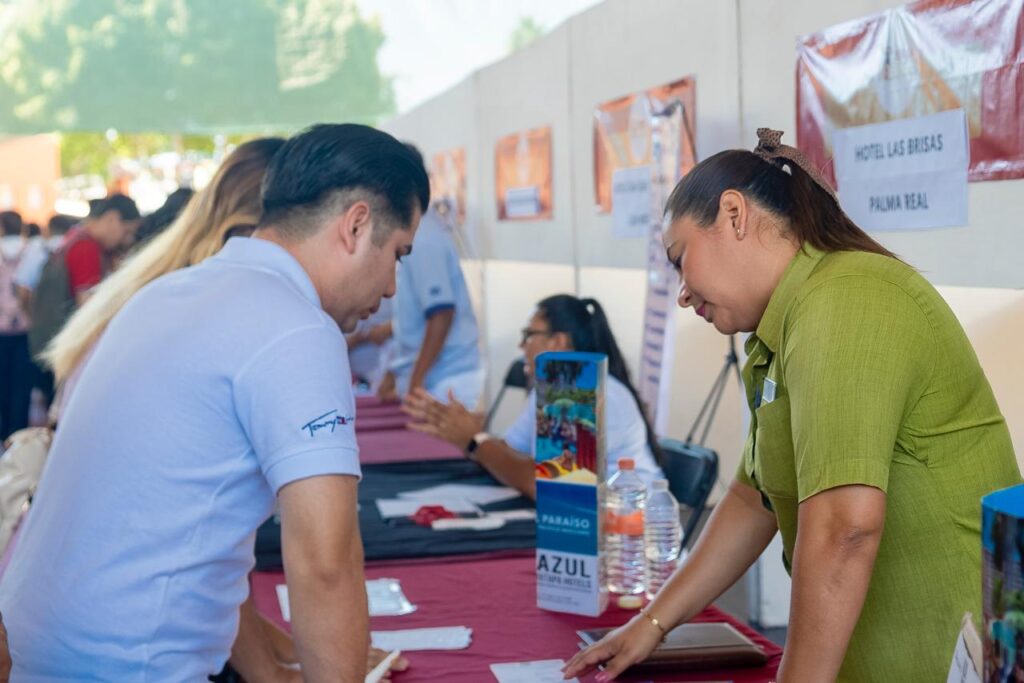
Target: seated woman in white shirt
{"x": 560, "y": 323}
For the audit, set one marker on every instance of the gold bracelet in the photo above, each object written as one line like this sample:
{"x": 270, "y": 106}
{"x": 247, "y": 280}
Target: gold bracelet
{"x": 657, "y": 624}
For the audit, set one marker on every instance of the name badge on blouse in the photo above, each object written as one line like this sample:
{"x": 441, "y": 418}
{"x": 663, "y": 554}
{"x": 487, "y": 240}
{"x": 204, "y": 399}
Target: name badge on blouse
{"x": 768, "y": 393}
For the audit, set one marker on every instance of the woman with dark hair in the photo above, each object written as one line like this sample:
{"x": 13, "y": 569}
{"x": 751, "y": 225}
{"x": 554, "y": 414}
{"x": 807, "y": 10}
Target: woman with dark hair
{"x": 874, "y": 432}
{"x": 560, "y": 323}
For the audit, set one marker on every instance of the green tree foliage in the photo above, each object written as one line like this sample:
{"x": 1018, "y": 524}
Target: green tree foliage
{"x": 189, "y": 66}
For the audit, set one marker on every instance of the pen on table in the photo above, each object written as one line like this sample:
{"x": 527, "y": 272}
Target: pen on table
{"x": 381, "y": 668}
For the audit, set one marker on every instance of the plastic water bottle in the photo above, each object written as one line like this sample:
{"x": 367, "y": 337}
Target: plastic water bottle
{"x": 624, "y": 530}
{"x": 662, "y": 536}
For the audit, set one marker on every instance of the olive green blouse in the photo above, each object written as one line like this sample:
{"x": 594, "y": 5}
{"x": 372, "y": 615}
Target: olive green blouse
{"x": 859, "y": 373}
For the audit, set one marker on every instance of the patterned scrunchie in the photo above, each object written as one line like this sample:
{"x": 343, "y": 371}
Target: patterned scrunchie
{"x": 770, "y": 147}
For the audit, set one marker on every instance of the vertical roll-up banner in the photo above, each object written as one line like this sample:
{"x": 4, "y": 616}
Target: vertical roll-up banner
{"x": 643, "y": 145}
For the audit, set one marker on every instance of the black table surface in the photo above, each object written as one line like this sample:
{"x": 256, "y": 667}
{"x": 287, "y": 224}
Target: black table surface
{"x": 401, "y": 538}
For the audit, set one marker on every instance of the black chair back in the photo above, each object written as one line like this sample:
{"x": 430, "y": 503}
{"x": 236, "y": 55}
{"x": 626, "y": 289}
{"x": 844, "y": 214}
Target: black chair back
{"x": 691, "y": 471}
{"x": 514, "y": 378}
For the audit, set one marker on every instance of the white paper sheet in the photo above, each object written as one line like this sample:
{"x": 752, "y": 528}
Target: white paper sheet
{"x": 401, "y": 507}
{"x": 412, "y": 639}
{"x": 514, "y": 515}
{"x": 487, "y": 523}
{"x": 384, "y": 596}
{"x": 481, "y": 495}
{"x": 542, "y": 671}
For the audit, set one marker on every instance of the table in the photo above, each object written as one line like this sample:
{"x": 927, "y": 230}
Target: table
{"x": 402, "y": 538}
{"x": 383, "y": 437}
{"x": 496, "y": 598}
{"x": 401, "y": 445}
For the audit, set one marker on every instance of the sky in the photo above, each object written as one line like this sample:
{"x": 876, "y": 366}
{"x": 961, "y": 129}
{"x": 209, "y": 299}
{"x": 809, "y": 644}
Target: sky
{"x": 433, "y": 44}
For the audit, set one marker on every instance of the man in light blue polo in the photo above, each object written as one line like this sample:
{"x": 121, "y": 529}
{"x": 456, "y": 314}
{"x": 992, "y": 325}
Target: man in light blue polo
{"x": 216, "y": 391}
{"x": 435, "y": 330}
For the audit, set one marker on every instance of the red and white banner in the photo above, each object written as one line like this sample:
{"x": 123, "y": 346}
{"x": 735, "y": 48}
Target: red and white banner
{"x": 913, "y": 61}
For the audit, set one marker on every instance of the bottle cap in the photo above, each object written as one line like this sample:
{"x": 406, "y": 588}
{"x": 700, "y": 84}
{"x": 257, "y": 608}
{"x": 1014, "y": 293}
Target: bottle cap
{"x": 630, "y": 601}
{"x": 660, "y": 484}
{"x": 626, "y": 463}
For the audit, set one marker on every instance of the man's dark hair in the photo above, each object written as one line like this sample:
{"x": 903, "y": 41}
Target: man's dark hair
{"x": 416, "y": 152}
{"x": 329, "y": 166}
{"x": 11, "y": 223}
{"x": 122, "y": 204}
{"x": 60, "y": 224}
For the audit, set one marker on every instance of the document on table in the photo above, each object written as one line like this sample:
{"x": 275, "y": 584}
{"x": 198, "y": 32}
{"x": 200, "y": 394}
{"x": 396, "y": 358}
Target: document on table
{"x": 402, "y": 507}
{"x": 481, "y": 495}
{"x": 408, "y": 640}
{"x": 543, "y": 671}
{"x": 384, "y": 596}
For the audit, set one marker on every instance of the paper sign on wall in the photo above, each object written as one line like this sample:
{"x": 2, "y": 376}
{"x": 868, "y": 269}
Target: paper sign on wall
{"x": 522, "y": 202}
{"x": 905, "y": 174}
{"x": 631, "y": 202}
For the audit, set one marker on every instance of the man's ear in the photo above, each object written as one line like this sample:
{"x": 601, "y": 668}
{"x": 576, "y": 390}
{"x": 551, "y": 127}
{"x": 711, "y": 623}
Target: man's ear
{"x": 352, "y": 224}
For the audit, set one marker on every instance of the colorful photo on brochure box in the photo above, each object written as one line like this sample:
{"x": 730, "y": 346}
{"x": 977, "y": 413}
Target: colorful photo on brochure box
{"x": 566, "y": 449}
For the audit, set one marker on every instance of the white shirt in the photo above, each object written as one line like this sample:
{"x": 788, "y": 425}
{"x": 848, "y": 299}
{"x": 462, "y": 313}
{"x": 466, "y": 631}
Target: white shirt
{"x": 211, "y": 389}
{"x": 625, "y": 431}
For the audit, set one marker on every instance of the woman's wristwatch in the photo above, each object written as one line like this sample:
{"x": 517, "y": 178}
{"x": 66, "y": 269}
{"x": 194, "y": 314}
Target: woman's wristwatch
{"x": 475, "y": 443}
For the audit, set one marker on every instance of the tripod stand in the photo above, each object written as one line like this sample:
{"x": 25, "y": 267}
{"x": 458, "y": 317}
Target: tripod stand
{"x": 732, "y": 362}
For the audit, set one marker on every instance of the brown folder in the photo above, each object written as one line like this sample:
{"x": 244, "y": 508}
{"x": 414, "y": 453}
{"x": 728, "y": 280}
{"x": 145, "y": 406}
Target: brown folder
{"x": 713, "y": 645}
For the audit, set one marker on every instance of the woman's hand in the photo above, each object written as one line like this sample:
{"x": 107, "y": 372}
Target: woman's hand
{"x": 453, "y": 422}
{"x": 619, "y": 650}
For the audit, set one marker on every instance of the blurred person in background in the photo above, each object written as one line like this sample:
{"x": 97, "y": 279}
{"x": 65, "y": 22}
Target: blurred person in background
{"x": 434, "y": 327}
{"x": 15, "y": 364}
{"x": 561, "y": 322}
{"x": 26, "y": 278}
{"x": 78, "y": 266}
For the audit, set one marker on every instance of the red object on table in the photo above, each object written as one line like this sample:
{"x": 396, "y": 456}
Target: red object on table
{"x": 497, "y": 599}
{"x": 428, "y": 513}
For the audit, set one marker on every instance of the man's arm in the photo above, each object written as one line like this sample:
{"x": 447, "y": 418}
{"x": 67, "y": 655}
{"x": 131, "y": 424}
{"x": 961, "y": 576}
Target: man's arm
{"x": 836, "y": 545}
{"x": 323, "y": 560}
{"x": 438, "y": 326}
{"x": 253, "y": 655}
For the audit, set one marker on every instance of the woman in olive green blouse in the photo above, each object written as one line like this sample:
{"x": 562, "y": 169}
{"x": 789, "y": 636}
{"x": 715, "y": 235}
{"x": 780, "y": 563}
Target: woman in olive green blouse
{"x": 873, "y": 435}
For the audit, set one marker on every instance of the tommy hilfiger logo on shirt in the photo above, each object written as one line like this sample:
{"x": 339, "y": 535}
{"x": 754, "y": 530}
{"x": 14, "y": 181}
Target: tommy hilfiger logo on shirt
{"x": 327, "y": 420}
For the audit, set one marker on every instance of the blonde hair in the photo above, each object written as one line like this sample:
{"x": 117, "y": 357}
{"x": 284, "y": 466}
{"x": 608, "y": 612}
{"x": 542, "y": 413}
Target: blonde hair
{"x": 230, "y": 202}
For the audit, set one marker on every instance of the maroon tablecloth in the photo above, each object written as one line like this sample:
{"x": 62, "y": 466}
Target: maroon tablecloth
{"x": 402, "y": 446}
{"x": 381, "y": 422}
{"x": 371, "y": 405}
{"x": 496, "y": 598}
